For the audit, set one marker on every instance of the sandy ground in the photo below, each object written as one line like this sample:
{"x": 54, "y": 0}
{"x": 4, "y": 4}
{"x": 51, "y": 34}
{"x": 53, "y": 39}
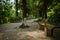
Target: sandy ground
{"x": 31, "y": 33}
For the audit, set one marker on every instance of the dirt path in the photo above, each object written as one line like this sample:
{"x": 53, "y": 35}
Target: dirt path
{"x": 31, "y": 33}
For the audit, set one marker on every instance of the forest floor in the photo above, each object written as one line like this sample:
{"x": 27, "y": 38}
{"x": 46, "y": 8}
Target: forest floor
{"x": 10, "y": 32}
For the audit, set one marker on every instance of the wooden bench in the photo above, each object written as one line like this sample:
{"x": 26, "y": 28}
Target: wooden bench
{"x": 53, "y": 29}
{"x": 48, "y": 26}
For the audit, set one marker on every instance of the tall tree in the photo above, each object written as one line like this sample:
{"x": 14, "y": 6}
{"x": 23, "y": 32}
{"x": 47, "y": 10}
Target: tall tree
{"x": 16, "y": 7}
{"x": 45, "y": 6}
{"x": 24, "y": 11}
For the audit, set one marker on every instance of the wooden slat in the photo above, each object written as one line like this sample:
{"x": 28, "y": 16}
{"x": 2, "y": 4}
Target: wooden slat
{"x": 49, "y": 26}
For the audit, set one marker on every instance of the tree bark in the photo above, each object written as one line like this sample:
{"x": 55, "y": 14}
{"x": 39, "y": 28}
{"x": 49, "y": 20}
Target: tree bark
{"x": 45, "y": 7}
{"x": 24, "y": 10}
{"x": 16, "y": 7}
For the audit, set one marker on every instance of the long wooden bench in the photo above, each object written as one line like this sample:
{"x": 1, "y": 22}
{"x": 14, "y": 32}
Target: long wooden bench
{"x": 48, "y": 26}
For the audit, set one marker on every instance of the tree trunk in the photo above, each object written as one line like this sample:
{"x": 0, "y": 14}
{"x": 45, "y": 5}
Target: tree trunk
{"x": 16, "y": 8}
{"x": 45, "y": 6}
{"x": 24, "y": 10}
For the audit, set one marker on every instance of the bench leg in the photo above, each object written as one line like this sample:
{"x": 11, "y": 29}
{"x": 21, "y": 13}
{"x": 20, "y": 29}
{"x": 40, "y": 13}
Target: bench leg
{"x": 45, "y": 29}
{"x": 52, "y": 30}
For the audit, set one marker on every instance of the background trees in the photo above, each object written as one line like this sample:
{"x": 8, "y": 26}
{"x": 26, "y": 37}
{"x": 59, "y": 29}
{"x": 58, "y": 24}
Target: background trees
{"x": 53, "y": 13}
{"x": 5, "y": 11}
{"x": 33, "y": 9}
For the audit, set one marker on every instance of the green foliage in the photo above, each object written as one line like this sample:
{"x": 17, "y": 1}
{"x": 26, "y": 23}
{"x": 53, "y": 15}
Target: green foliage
{"x": 34, "y": 10}
{"x": 50, "y": 13}
{"x": 54, "y": 14}
{"x": 6, "y": 11}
